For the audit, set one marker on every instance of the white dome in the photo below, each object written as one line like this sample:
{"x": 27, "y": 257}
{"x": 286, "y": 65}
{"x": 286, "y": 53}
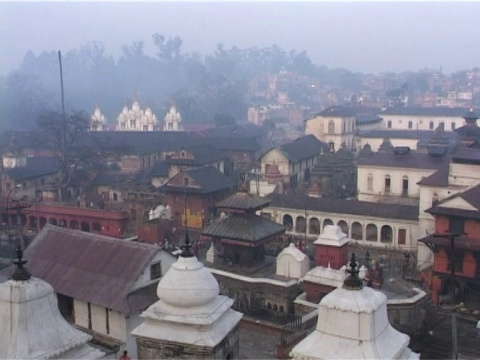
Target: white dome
{"x": 188, "y": 284}
{"x": 136, "y": 106}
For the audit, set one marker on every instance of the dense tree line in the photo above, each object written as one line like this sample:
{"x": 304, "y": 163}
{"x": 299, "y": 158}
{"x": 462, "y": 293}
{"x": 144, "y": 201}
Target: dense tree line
{"x": 203, "y": 87}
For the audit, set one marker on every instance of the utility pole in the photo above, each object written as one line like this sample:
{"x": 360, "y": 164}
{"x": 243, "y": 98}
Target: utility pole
{"x": 451, "y": 237}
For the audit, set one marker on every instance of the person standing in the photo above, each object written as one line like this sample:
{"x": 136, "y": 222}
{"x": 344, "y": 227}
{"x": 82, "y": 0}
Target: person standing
{"x": 124, "y": 356}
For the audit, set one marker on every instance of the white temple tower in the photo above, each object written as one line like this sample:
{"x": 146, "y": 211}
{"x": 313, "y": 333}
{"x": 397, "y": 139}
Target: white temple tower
{"x": 173, "y": 120}
{"x": 353, "y": 324}
{"x": 190, "y": 320}
{"x": 31, "y": 326}
{"x": 98, "y": 121}
{"x": 136, "y": 119}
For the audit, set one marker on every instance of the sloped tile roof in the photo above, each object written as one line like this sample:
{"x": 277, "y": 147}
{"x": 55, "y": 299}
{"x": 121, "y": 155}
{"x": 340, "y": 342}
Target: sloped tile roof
{"x": 243, "y": 201}
{"x": 244, "y": 228}
{"x": 36, "y": 167}
{"x": 425, "y": 111}
{"x": 303, "y": 148}
{"x": 461, "y": 242}
{"x": 438, "y": 178}
{"x": 90, "y": 267}
{"x": 410, "y": 161}
{"x": 208, "y": 178}
{"x": 159, "y": 169}
{"x": 471, "y": 196}
{"x": 339, "y": 206}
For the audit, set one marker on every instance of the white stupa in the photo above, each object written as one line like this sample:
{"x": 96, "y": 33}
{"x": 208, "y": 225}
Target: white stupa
{"x": 190, "y": 314}
{"x": 353, "y": 324}
{"x": 136, "y": 119}
{"x": 31, "y": 326}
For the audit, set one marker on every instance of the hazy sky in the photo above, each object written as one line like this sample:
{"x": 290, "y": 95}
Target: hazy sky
{"x": 360, "y": 36}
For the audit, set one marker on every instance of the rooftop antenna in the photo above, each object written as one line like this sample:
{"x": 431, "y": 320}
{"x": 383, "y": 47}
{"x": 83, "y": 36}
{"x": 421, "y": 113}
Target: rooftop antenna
{"x": 186, "y": 246}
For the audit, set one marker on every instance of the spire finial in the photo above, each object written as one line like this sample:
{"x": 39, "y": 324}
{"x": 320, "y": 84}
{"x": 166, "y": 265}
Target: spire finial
{"x": 186, "y": 246}
{"x": 21, "y": 273}
{"x": 353, "y": 282}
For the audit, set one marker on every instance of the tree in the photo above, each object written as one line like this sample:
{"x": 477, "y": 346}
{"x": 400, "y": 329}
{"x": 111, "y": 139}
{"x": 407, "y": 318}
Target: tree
{"x": 66, "y": 136}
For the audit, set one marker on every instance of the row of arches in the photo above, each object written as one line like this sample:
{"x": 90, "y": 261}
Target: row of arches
{"x": 371, "y": 232}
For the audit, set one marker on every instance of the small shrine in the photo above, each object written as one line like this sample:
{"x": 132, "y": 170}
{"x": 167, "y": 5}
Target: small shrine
{"x": 353, "y": 324}
{"x": 172, "y": 120}
{"x": 292, "y": 262}
{"x": 240, "y": 234}
{"x": 98, "y": 121}
{"x": 190, "y": 320}
{"x": 31, "y": 325}
{"x": 331, "y": 257}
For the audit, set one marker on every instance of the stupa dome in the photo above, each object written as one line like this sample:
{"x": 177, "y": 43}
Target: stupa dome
{"x": 188, "y": 284}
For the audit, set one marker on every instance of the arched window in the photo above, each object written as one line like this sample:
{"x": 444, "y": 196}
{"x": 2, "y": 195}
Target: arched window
{"x": 389, "y": 124}
{"x": 53, "y": 221}
{"x": 430, "y": 125}
{"x": 327, "y": 222}
{"x": 434, "y": 199}
{"x": 371, "y": 232}
{"x": 74, "y": 224}
{"x": 386, "y": 234}
{"x": 300, "y": 224}
{"x": 357, "y": 231}
{"x": 85, "y": 226}
{"x": 331, "y": 127}
{"x": 344, "y": 226}
{"x": 370, "y": 182}
{"x": 281, "y": 309}
{"x": 314, "y": 226}
{"x": 288, "y": 222}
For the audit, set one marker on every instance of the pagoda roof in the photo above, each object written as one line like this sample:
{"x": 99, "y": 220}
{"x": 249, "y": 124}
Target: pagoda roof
{"x": 243, "y": 201}
{"x": 250, "y": 229}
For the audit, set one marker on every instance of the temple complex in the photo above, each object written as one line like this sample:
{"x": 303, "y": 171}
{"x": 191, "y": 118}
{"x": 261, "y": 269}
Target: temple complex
{"x": 136, "y": 119}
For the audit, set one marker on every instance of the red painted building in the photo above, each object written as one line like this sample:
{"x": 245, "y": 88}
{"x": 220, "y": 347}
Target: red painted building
{"x": 34, "y": 217}
{"x": 459, "y": 217}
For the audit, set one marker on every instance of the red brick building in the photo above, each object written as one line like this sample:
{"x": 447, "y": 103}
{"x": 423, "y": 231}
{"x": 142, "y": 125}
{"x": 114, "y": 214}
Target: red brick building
{"x": 458, "y": 215}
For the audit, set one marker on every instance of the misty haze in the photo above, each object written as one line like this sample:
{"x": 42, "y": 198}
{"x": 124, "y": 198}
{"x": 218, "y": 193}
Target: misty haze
{"x": 205, "y": 57}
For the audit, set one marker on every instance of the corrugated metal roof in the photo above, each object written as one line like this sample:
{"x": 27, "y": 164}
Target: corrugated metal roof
{"x": 243, "y": 201}
{"x": 244, "y": 228}
{"x": 90, "y": 267}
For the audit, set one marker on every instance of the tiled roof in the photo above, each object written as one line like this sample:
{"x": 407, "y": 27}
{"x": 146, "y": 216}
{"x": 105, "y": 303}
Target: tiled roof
{"x": 203, "y": 155}
{"x": 244, "y": 228}
{"x": 471, "y": 196}
{"x": 438, "y": 178}
{"x": 468, "y": 132}
{"x": 36, "y": 167}
{"x": 303, "y": 148}
{"x": 403, "y": 134}
{"x": 425, "y": 111}
{"x": 90, "y": 267}
{"x": 339, "y": 206}
{"x": 348, "y": 111}
{"x": 208, "y": 179}
{"x": 367, "y": 119}
{"x": 159, "y": 169}
{"x": 461, "y": 242}
{"x": 466, "y": 155}
{"x": 243, "y": 201}
{"x": 410, "y": 161}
